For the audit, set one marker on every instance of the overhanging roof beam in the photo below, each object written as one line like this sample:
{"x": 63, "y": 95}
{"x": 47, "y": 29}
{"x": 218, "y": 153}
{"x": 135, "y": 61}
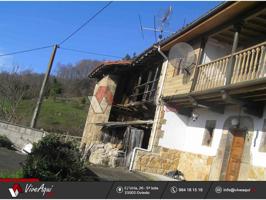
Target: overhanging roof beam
{"x": 217, "y": 109}
{"x": 248, "y": 107}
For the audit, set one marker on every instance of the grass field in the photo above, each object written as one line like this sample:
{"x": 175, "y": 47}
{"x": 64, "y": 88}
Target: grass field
{"x": 60, "y": 115}
{"x": 8, "y": 174}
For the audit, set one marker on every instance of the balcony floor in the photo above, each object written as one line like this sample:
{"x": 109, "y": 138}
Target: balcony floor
{"x": 245, "y": 93}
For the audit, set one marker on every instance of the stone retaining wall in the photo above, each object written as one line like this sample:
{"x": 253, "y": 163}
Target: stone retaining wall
{"x": 195, "y": 167}
{"x": 256, "y": 174}
{"x": 19, "y": 135}
{"x": 159, "y": 163}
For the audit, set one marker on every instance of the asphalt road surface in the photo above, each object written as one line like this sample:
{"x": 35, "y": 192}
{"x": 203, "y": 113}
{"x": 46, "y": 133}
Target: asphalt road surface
{"x": 10, "y": 160}
{"x": 116, "y": 174}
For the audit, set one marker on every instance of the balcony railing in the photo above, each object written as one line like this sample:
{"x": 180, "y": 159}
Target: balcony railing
{"x": 249, "y": 64}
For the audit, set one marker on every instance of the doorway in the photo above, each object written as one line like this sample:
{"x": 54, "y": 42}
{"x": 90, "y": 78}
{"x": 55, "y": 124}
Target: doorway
{"x": 221, "y": 160}
{"x": 235, "y": 156}
{"x": 133, "y": 138}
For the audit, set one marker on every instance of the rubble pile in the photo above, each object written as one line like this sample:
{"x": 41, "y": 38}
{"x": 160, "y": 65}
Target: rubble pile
{"x": 107, "y": 154}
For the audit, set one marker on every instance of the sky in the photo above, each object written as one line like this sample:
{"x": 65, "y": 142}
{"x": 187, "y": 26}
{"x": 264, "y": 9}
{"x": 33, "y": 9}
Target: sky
{"x": 116, "y": 31}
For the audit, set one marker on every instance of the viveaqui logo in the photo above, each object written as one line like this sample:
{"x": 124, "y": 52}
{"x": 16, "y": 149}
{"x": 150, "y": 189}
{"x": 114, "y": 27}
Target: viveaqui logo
{"x": 101, "y": 99}
{"x": 46, "y": 191}
{"x": 15, "y": 190}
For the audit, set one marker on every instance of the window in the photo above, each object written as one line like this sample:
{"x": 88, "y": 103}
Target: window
{"x": 262, "y": 147}
{"x": 208, "y": 134}
{"x": 145, "y": 90}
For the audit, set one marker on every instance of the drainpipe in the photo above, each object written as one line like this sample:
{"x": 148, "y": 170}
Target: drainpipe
{"x": 157, "y": 112}
{"x": 162, "y": 53}
{"x": 160, "y": 89}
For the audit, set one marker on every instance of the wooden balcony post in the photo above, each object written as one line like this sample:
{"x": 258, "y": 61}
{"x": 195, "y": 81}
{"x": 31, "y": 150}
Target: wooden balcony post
{"x": 199, "y": 61}
{"x": 229, "y": 69}
{"x": 136, "y": 90}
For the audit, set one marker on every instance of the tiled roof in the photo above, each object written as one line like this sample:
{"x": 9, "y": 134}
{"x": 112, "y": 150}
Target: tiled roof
{"x": 106, "y": 65}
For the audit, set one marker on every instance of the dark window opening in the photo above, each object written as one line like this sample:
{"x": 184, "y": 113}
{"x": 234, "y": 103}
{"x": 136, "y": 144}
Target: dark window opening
{"x": 118, "y": 135}
{"x": 124, "y": 140}
{"x": 146, "y": 85}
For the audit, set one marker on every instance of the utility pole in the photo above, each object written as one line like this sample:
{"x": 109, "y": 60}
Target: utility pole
{"x": 40, "y": 98}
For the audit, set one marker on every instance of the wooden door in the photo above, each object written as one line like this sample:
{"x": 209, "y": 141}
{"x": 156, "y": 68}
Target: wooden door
{"x": 132, "y": 138}
{"x": 234, "y": 162}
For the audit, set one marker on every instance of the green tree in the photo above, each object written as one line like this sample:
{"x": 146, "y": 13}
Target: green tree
{"x": 54, "y": 160}
{"x": 56, "y": 88}
{"x": 127, "y": 57}
{"x": 134, "y": 55}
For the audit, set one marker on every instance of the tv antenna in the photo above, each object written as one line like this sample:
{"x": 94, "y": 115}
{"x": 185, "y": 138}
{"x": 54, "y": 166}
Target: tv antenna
{"x": 183, "y": 58}
{"x": 163, "y": 21}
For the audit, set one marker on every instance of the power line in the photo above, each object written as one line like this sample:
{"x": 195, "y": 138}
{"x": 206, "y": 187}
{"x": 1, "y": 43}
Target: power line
{"x": 63, "y": 41}
{"x": 25, "y": 51}
{"x": 85, "y": 23}
{"x": 87, "y": 52}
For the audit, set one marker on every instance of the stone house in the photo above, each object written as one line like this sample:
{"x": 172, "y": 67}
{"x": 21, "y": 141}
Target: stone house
{"x": 122, "y": 110}
{"x": 208, "y": 119}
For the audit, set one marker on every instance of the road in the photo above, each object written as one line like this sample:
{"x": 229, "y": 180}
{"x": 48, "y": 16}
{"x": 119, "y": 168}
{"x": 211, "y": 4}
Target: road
{"x": 10, "y": 160}
{"x": 116, "y": 174}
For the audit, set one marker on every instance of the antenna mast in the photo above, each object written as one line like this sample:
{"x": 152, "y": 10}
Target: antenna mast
{"x": 163, "y": 21}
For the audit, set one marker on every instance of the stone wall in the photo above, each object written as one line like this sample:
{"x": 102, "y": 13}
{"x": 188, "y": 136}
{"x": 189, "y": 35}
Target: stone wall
{"x": 160, "y": 160}
{"x": 195, "y": 167}
{"x": 256, "y": 173}
{"x": 108, "y": 154}
{"x": 159, "y": 163}
{"x": 19, "y": 135}
{"x": 99, "y": 111}
{"x": 154, "y": 144}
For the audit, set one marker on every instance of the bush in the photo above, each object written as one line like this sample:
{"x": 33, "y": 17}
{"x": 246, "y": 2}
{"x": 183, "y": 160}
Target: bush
{"x": 54, "y": 160}
{"x": 5, "y": 142}
{"x": 83, "y": 100}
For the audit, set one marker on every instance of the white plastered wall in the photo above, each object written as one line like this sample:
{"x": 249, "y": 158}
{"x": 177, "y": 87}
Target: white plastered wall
{"x": 184, "y": 134}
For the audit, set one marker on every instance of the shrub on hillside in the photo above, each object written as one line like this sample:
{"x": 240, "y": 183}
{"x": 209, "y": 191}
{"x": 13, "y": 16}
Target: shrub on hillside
{"x": 83, "y": 100}
{"x": 54, "y": 160}
{"x": 5, "y": 142}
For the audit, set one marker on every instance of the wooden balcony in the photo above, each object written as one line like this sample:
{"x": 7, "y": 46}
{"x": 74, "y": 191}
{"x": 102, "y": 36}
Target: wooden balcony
{"x": 248, "y": 64}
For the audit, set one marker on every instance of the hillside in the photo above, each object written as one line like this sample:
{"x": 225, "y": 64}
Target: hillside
{"x": 65, "y": 116}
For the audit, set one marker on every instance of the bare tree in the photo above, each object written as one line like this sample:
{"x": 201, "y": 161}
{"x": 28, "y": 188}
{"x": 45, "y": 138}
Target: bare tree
{"x": 74, "y": 78}
{"x": 12, "y": 92}
{"x": 17, "y": 85}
